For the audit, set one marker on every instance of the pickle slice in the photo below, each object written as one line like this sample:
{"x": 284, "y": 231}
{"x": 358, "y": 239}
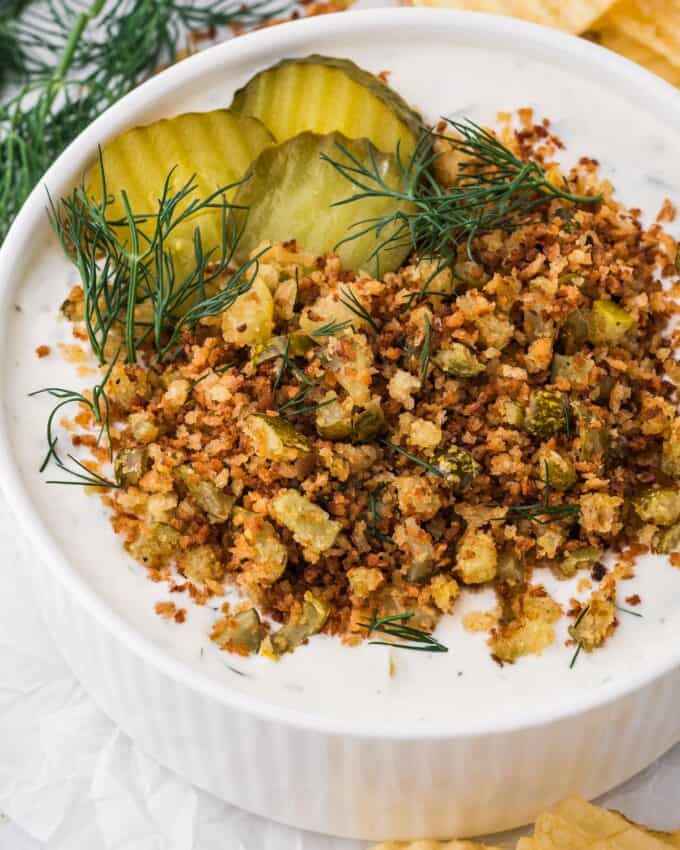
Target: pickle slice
{"x": 290, "y": 191}
{"x": 215, "y": 148}
{"x": 322, "y": 94}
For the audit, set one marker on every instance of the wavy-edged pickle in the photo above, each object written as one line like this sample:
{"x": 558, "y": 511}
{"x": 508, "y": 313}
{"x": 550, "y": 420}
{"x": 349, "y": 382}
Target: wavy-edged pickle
{"x": 314, "y": 615}
{"x": 322, "y": 94}
{"x": 290, "y": 191}
{"x": 215, "y": 148}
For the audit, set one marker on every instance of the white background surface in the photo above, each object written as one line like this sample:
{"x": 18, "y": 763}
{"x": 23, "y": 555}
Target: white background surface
{"x": 72, "y": 781}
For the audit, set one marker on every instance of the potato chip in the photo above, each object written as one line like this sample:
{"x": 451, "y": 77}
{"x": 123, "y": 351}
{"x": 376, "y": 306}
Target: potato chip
{"x": 573, "y": 16}
{"x": 577, "y": 825}
{"x": 653, "y": 23}
{"x": 631, "y": 48}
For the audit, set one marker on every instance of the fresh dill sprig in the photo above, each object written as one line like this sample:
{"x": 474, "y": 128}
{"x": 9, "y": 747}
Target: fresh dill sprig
{"x": 428, "y": 466}
{"x": 543, "y": 512}
{"x": 579, "y": 648}
{"x": 349, "y": 299}
{"x": 99, "y": 407}
{"x": 122, "y": 266}
{"x": 425, "y": 350}
{"x": 396, "y": 626}
{"x": 330, "y": 329}
{"x": 295, "y": 406}
{"x": 73, "y": 61}
{"x": 373, "y": 520}
{"x": 494, "y": 190}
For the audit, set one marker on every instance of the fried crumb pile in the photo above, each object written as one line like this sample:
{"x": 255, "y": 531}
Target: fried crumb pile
{"x": 340, "y": 447}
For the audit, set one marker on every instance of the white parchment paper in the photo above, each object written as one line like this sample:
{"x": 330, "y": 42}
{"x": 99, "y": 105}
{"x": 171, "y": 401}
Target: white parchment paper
{"x": 71, "y": 780}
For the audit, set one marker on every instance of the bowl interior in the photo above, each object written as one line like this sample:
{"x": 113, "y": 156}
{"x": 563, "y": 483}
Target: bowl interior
{"x": 446, "y": 64}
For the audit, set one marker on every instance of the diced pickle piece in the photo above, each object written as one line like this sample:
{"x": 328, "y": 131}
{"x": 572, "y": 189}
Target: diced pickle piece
{"x": 214, "y": 148}
{"x": 243, "y": 633}
{"x": 668, "y": 540}
{"x": 476, "y": 558}
{"x": 294, "y": 345}
{"x": 290, "y": 193}
{"x": 310, "y": 525}
{"x": 670, "y": 459}
{"x": 574, "y": 332}
{"x": 275, "y": 438}
{"x": 608, "y": 323}
{"x": 458, "y": 361}
{"x": 513, "y": 413}
{"x": 457, "y": 467}
{"x": 583, "y": 558}
{"x": 558, "y": 469}
{"x": 314, "y": 615}
{"x": 368, "y": 424}
{"x": 595, "y": 623}
{"x": 250, "y": 319}
{"x": 510, "y": 568}
{"x": 217, "y": 504}
{"x": 264, "y": 554}
{"x": 156, "y": 545}
{"x": 329, "y": 94}
{"x": 130, "y": 465}
{"x": 547, "y": 414}
{"x": 575, "y": 368}
{"x": 334, "y": 420}
{"x": 595, "y": 439}
{"x": 660, "y": 506}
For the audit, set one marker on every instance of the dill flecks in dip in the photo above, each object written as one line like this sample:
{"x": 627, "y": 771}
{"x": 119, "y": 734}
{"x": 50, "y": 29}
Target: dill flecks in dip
{"x": 352, "y": 448}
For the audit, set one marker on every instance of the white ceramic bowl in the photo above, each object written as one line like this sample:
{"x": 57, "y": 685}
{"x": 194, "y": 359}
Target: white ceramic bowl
{"x": 327, "y": 740}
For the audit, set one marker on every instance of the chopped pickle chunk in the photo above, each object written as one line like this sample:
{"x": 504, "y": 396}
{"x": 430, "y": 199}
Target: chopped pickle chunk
{"x": 250, "y": 319}
{"x": 294, "y": 345}
{"x": 457, "y": 467}
{"x": 368, "y": 424}
{"x": 130, "y": 465}
{"x": 243, "y": 633}
{"x": 575, "y": 368}
{"x": 660, "y": 505}
{"x": 139, "y": 160}
{"x": 258, "y": 546}
{"x": 156, "y": 545}
{"x": 574, "y": 332}
{"x": 547, "y": 414}
{"x": 582, "y": 558}
{"x": 310, "y": 525}
{"x": 217, "y": 504}
{"x": 558, "y": 469}
{"x": 290, "y": 193}
{"x": 668, "y": 540}
{"x": 458, "y": 361}
{"x": 275, "y": 438}
{"x": 331, "y": 94}
{"x": 608, "y": 323}
{"x": 334, "y": 420}
{"x": 314, "y": 615}
{"x": 596, "y": 622}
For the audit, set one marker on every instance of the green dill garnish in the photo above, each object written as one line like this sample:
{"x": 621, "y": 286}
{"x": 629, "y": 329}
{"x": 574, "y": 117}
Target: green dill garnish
{"x": 579, "y": 648}
{"x": 99, "y": 406}
{"x": 122, "y": 268}
{"x": 349, "y": 299}
{"x": 425, "y": 350}
{"x": 372, "y": 528}
{"x": 494, "y": 190}
{"x": 395, "y": 626}
{"x": 543, "y": 512}
{"x": 628, "y": 611}
{"x": 330, "y": 329}
{"x": 72, "y": 62}
{"x": 294, "y": 406}
{"x": 428, "y": 466}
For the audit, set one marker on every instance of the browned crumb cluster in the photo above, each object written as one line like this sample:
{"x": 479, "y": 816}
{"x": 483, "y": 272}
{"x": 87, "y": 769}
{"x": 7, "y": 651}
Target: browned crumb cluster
{"x": 521, "y": 415}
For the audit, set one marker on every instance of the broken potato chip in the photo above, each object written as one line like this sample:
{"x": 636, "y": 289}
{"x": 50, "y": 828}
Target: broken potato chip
{"x": 574, "y": 16}
{"x": 620, "y": 42}
{"x": 571, "y": 825}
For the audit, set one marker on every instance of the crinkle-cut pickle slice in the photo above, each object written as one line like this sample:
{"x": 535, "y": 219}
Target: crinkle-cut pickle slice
{"x": 290, "y": 191}
{"x": 215, "y": 148}
{"x": 321, "y": 94}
